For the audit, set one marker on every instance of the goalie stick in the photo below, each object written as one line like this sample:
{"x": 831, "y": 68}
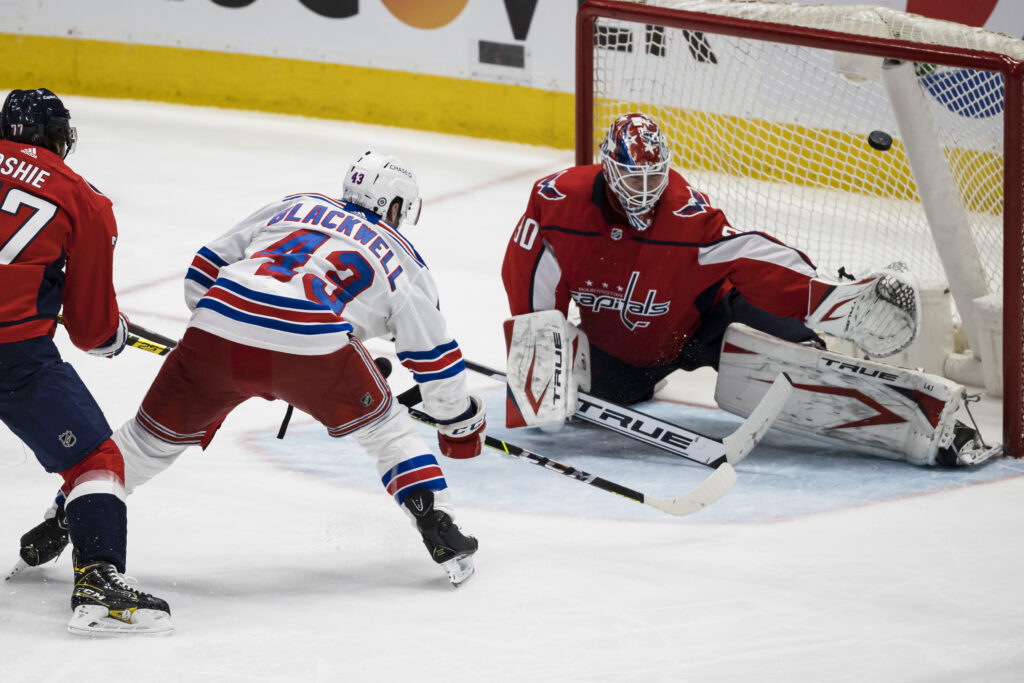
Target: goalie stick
{"x": 673, "y": 438}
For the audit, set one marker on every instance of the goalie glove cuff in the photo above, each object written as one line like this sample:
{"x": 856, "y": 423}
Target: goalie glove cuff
{"x": 464, "y": 437}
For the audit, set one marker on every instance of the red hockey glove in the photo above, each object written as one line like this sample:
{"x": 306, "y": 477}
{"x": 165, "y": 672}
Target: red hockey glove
{"x": 464, "y": 437}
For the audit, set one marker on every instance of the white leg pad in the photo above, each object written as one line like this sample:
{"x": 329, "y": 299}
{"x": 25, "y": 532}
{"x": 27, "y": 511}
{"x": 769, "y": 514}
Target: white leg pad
{"x": 880, "y": 409}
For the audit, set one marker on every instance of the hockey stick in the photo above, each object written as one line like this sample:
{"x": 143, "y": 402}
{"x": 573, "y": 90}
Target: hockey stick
{"x": 711, "y": 489}
{"x": 285, "y": 420}
{"x": 707, "y": 492}
{"x": 673, "y": 438}
{"x": 148, "y": 340}
{"x": 141, "y": 338}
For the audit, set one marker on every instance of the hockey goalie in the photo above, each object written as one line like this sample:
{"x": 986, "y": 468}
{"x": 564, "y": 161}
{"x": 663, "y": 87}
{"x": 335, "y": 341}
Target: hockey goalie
{"x": 663, "y": 282}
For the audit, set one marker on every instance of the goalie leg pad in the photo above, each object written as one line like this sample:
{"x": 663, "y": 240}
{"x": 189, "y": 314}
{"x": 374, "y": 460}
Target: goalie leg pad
{"x": 548, "y": 363}
{"x": 886, "y": 411}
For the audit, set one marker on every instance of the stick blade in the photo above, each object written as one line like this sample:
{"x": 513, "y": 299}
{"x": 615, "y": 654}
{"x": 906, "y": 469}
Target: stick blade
{"x": 739, "y": 444}
{"x": 711, "y": 489}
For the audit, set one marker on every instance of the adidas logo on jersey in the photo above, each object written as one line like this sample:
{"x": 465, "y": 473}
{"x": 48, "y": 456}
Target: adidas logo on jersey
{"x": 30, "y": 151}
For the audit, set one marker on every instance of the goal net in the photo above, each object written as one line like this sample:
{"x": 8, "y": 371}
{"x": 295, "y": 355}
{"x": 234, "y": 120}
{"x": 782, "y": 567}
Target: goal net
{"x": 771, "y": 108}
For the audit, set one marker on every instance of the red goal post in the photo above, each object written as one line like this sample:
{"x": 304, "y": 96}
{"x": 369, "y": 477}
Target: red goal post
{"x": 769, "y": 106}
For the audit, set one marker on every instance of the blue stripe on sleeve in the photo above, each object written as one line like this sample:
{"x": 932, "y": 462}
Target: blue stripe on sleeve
{"x": 197, "y": 275}
{"x": 212, "y": 257}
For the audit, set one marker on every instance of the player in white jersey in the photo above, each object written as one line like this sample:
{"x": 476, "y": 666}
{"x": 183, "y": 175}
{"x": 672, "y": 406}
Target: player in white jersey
{"x": 280, "y": 303}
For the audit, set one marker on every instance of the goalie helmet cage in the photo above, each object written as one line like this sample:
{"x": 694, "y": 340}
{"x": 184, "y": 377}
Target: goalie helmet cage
{"x": 769, "y": 106}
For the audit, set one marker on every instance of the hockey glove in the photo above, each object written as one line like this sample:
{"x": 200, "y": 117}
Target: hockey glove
{"x": 881, "y": 314}
{"x": 116, "y": 343}
{"x": 464, "y": 437}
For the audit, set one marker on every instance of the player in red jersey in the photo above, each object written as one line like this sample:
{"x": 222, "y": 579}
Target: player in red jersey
{"x": 57, "y": 236}
{"x": 659, "y": 276}
{"x": 656, "y": 271}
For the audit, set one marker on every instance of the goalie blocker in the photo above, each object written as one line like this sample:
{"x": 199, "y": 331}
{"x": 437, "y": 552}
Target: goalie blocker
{"x": 884, "y": 410}
{"x": 548, "y": 361}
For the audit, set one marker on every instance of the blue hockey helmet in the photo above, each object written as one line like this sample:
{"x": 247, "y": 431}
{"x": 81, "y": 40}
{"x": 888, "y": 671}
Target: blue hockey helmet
{"x": 38, "y": 117}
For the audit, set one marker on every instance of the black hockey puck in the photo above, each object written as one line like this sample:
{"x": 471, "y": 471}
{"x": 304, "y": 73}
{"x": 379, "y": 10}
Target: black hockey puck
{"x": 384, "y": 365}
{"x": 880, "y": 140}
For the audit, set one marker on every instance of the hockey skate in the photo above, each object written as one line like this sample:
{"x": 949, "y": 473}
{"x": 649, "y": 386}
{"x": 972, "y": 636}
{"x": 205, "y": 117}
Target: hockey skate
{"x": 42, "y": 543}
{"x": 967, "y": 449}
{"x": 447, "y": 545}
{"x": 105, "y": 604}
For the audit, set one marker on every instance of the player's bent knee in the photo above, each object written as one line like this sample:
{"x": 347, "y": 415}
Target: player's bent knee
{"x": 392, "y": 439}
{"x": 101, "y": 471}
{"x": 145, "y": 455}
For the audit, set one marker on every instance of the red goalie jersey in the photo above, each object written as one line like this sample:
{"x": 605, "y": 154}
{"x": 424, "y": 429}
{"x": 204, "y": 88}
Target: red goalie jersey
{"x": 642, "y": 294}
{"x": 57, "y": 237}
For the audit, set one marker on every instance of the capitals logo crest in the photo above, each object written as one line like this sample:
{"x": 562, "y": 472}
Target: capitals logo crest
{"x": 546, "y": 187}
{"x": 698, "y": 204}
{"x": 621, "y": 299}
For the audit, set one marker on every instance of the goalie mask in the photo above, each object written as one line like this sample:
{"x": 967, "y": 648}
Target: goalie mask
{"x": 375, "y": 181}
{"x": 635, "y": 159}
{"x": 38, "y": 117}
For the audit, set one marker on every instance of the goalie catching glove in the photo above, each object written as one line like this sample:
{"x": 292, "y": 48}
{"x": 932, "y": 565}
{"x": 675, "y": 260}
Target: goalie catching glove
{"x": 881, "y": 314}
{"x": 463, "y": 437}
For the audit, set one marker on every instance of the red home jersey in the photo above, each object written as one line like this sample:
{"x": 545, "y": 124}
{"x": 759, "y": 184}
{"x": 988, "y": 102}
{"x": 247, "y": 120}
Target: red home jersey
{"x": 57, "y": 236}
{"x": 641, "y": 295}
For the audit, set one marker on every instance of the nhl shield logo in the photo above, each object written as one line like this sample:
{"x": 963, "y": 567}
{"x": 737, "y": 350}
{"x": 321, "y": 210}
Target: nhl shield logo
{"x": 67, "y": 439}
{"x": 366, "y": 400}
{"x": 616, "y": 234}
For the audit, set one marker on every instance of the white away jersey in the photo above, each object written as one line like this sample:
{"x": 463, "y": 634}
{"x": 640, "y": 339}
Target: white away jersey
{"x": 299, "y": 275}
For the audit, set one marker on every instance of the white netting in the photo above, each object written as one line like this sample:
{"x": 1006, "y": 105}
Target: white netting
{"x": 777, "y": 134}
{"x": 859, "y": 20}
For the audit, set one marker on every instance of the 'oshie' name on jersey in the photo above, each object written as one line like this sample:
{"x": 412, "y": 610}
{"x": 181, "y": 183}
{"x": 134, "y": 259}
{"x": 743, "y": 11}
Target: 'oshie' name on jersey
{"x": 301, "y": 274}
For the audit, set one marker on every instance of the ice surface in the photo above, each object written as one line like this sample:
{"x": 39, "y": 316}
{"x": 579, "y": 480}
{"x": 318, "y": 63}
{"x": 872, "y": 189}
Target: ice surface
{"x": 283, "y": 560}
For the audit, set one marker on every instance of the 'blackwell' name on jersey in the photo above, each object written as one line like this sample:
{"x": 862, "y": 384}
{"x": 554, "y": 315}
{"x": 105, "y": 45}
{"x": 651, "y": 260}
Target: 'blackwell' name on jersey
{"x": 350, "y": 226}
